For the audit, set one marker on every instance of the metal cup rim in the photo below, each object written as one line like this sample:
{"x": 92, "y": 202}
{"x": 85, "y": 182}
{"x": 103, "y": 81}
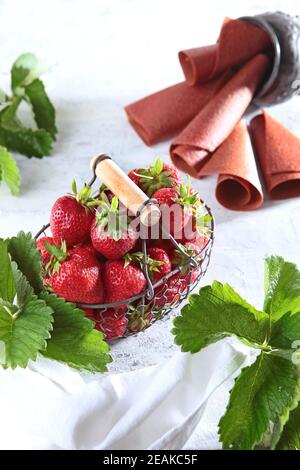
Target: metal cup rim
{"x": 261, "y": 22}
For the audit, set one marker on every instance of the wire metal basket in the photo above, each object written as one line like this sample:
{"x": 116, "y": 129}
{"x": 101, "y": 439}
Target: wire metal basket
{"x": 155, "y": 303}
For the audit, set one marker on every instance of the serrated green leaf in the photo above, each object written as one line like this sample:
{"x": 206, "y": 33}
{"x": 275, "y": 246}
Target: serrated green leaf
{"x": 32, "y": 143}
{"x": 23, "y": 287}
{"x": 282, "y": 287}
{"x": 24, "y": 334}
{"x": 73, "y": 340}
{"x": 216, "y": 312}
{"x": 285, "y": 331}
{"x": 290, "y": 437}
{"x": 23, "y": 251}
{"x": 261, "y": 393}
{"x": 9, "y": 171}
{"x": 43, "y": 109}
{"x": 7, "y": 282}
{"x": 9, "y": 119}
{"x": 24, "y": 70}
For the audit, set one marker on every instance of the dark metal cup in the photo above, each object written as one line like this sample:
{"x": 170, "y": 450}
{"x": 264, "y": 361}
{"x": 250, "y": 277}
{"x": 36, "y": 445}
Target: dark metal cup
{"x": 284, "y": 32}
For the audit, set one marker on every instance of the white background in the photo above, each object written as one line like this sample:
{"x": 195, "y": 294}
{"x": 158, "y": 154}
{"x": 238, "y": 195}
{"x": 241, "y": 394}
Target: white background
{"x": 103, "y": 55}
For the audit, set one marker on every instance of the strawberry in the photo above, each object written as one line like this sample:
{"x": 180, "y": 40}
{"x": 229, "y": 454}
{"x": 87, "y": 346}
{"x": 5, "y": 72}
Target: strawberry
{"x": 122, "y": 280}
{"x": 158, "y": 175}
{"x": 139, "y": 321}
{"x": 157, "y": 260}
{"x": 159, "y": 263}
{"x": 75, "y": 275}
{"x": 112, "y": 323}
{"x": 40, "y": 244}
{"x": 72, "y": 216}
{"x": 111, "y": 234}
{"x": 169, "y": 292}
{"x": 84, "y": 250}
{"x": 179, "y": 207}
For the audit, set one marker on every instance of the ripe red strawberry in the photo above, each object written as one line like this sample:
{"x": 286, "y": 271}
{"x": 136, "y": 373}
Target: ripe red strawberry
{"x": 72, "y": 216}
{"x": 111, "y": 234}
{"x": 178, "y": 206}
{"x": 158, "y": 175}
{"x": 84, "y": 250}
{"x": 75, "y": 275}
{"x": 112, "y": 323}
{"x": 40, "y": 244}
{"x": 159, "y": 263}
{"x": 122, "y": 280}
{"x": 169, "y": 292}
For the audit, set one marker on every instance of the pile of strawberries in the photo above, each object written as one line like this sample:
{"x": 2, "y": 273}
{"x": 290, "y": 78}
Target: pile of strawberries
{"x": 90, "y": 261}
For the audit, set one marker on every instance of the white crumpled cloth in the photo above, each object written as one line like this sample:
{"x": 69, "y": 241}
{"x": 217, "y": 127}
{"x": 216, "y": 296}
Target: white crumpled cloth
{"x": 175, "y": 405}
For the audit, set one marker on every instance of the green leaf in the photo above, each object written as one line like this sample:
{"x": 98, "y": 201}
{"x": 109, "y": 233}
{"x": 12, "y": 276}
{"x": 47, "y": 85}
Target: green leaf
{"x": 24, "y": 70}
{"x": 263, "y": 392}
{"x": 32, "y": 143}
{"x": 23, "y": 333}
{"x": 216, "y": 312}
{"x": 282, "y": 287}
{"x": 23, "y": 287}
{"x": 9, "y": 171}
{"x": 43, "y": 109}
{"x": 285, "y": 331}
{"x": 23, "y": 251}
{"x": 290, "y": 437}
{"x": 7, "y": 282}
{"x": 74, "y": 341}
{"x": 9, "y": 119}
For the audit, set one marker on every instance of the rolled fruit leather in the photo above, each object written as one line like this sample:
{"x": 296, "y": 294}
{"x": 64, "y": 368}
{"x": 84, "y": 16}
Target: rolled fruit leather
{"x": 163, "y": 114}
{"x": 278, "y": 153}
{"x": 239, "y": 41}
{"x": 214, "y": 123}
{"x": 238, "y": 185}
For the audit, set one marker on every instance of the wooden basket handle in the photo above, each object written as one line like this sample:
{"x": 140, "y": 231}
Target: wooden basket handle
{"x": 125, "y": 189}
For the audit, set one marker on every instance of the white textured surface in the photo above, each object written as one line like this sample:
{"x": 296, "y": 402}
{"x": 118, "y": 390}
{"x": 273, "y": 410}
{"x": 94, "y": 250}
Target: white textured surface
{"x": 105, "y": 54}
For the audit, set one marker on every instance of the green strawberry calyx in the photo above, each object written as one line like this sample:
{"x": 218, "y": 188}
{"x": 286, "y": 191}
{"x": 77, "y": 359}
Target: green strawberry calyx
{"x": 84, "y": 196}
{"x": 154, "y": 178}
{"x": 192, "y": 204}
{"x": 187, "y": 197}
{"x": 111, "y": 218}
{"x": 138, "y": 257}
{"x": 139, "y": 320}
{"x": 58, "y": 256}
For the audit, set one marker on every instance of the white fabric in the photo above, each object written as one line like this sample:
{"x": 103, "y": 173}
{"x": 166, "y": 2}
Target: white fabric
{"x": 50, "y": 406}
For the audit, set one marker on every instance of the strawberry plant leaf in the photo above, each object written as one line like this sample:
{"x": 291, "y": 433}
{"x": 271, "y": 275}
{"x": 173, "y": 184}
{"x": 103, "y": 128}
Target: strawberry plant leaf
{"x": 216, "y": 312}
{"x": 43, "y": 109}
{"x": 32, "y": 143}
{"x": 23, "y": 331}
{"x": 290, "y": 437}
{"x": 7, "y": 282}
{"x": 285, "y": 331}
{"x": 22, "y": 250}
{"x": 23, "y": 287}
{"x": 73, "y": 340}
{"x": 282, "y": 287}
{"x": 24, "y": 70}
{"x": 262, "y": 392}
{"x": 9, "y": 171}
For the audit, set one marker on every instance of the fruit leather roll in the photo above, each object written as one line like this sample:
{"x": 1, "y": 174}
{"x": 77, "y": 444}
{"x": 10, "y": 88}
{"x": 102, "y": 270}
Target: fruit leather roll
{"x": 163, "y": 114}
{"x": 238, "y": 42}
{"x": 278, "y": 152}
{"x": 238, "y": 185}
{"x": 216, "y": 120}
